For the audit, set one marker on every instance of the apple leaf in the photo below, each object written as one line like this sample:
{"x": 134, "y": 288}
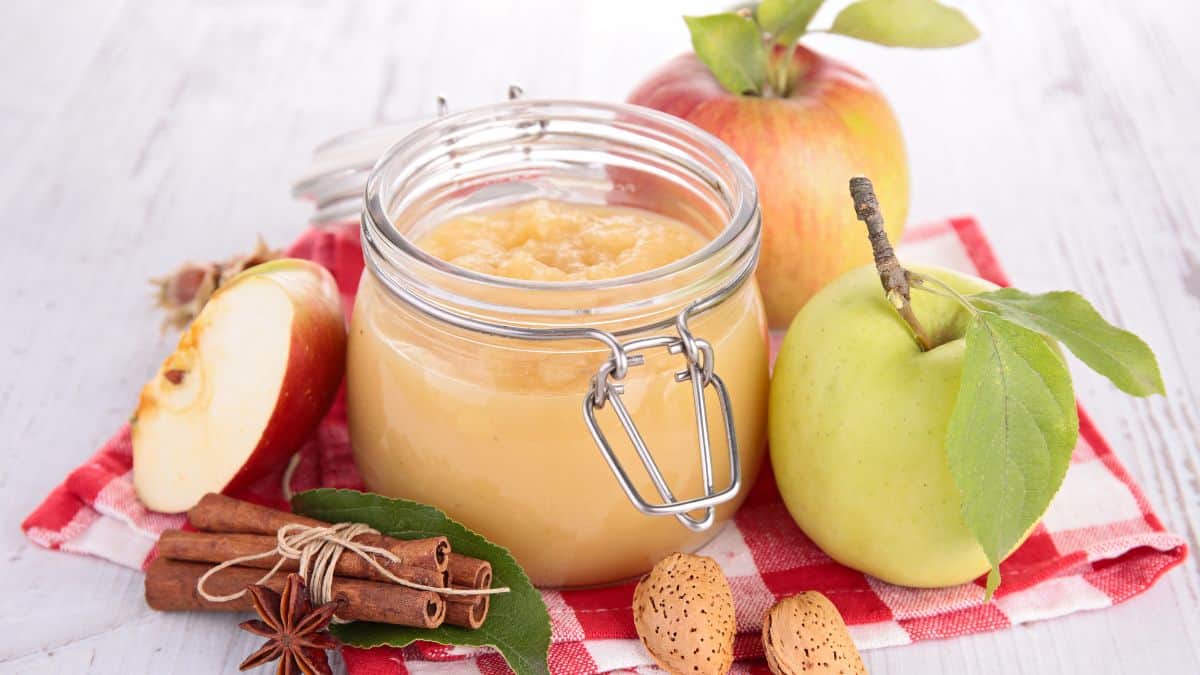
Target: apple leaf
{"x": 905, "y": 23}
{"x": 786, "y": 20}
{"x": 1117, "y": 354}
{"x": 518, "y": 625}
{"x": 1011, "y": 434}
{"x": 732, "y": 48}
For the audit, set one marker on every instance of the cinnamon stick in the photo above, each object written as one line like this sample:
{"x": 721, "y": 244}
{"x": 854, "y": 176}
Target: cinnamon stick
{"x": 217, "y": 548}
{"x": 218, "y": 513}
{"x": 468, "y": 572}
{"x": 468, "y": 611}
{"x": 171, "y": 586}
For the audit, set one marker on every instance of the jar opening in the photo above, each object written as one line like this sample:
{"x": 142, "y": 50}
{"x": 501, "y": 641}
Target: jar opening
{"x": 573, "y": 151}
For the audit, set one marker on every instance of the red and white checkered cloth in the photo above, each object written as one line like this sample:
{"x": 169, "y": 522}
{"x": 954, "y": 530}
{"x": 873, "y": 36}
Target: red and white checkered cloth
{"x": 1099, "y": 543}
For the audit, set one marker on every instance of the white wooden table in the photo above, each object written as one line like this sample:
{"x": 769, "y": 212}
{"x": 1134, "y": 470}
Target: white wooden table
{"x": 135, "y": 134}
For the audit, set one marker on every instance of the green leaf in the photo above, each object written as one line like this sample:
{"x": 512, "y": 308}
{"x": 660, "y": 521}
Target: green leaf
{"x": 786, "y": 20}
{"x": 1117, "y": 354}
{"x": 732, "y": 48}
{"x": 1011, "y": 434}
{"x": 905, "y": 23}
{"x": 518, "y": 624}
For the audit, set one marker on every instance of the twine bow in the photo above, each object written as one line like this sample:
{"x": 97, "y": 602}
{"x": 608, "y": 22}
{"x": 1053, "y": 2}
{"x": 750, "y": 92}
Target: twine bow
{"x": 318, "y": 550}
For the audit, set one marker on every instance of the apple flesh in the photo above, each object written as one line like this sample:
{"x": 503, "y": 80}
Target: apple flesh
{"x": 800, "y": 149}
{"x": 857, "y": 422}
{"x": 249, "y": 381}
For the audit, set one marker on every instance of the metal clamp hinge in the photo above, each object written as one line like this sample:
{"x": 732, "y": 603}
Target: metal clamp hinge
{"x": 607, "y": 388}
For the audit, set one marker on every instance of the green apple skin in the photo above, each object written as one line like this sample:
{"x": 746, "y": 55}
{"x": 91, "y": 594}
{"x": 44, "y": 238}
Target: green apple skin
{"x": 857, "y": 422}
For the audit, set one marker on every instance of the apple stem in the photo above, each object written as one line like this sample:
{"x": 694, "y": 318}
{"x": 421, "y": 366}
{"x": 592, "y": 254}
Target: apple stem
{"x": 783, "y": 69}
{"x": 895, "y": 279}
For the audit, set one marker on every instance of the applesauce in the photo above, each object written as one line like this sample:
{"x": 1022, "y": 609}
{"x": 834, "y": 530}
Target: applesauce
{"x": 548, "y": 240}
{"x": 511, "y": 310}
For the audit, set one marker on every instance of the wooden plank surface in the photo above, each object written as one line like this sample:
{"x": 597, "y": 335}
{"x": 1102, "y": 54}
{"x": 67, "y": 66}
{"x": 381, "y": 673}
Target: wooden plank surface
{"x": 136, "y": 134}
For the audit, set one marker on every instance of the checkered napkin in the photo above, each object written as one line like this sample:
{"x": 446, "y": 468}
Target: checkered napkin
{"x": 1099, "y": 543}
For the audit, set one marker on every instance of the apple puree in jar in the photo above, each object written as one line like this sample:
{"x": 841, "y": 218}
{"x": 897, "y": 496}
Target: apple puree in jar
{"x": 492, "y": 431}
{"x": 554, "y": 292}
{"x": 544, "y": 240}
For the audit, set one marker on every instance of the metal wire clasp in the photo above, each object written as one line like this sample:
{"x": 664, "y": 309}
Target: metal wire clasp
{"x": 606, "y": 387}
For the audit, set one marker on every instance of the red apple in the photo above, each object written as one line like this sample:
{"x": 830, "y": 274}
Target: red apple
{"x": 801, "y": 148}
{"x": 251, "y": 378}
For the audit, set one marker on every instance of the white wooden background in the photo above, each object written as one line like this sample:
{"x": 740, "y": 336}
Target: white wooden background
{"x": 134, "y": 134}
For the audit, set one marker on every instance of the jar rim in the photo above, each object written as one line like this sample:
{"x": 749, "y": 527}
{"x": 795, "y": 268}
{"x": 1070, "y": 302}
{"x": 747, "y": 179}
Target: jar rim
{"x": 377, "y": 223}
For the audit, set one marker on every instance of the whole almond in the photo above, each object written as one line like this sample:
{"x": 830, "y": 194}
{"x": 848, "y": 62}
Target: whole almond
{"x": 683, "y": 611}
{"x": 806, "y": 634}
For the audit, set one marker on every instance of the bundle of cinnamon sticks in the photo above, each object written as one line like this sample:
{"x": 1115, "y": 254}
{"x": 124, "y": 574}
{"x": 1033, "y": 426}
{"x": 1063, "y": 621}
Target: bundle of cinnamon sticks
{"x": 230, "y": 529}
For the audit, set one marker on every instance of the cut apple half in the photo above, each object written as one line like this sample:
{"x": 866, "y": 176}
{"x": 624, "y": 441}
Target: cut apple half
{"x": 247, "y": 385}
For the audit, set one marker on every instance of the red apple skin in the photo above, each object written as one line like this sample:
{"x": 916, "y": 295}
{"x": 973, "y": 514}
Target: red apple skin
{"x": 802, "y": 151}
{"x": 316, "y": 364}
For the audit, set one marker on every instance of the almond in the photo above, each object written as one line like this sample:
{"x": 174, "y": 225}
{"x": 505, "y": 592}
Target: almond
{"x": 683, "y": 611}
{"x": 806, "y": 634}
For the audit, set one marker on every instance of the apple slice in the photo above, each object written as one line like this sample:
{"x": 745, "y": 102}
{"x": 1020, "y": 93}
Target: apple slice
{"x": 247, "y": 385}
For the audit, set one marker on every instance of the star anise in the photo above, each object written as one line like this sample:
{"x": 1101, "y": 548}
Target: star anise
{"x": 293, "y": 627}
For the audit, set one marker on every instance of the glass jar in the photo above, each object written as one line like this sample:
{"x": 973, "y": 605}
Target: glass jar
{"x": 562, "y": 420}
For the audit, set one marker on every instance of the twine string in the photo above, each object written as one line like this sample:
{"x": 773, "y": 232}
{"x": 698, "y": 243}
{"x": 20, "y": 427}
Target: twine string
{"x": 288, "y": 473}
{"x": 318, "y": 550}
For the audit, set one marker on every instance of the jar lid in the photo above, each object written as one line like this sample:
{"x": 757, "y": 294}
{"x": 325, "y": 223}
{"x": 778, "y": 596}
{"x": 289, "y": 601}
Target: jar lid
{"x": 336, "y": 176}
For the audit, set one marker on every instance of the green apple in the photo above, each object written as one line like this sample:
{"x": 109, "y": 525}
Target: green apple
{"x": 857, "y": 421}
